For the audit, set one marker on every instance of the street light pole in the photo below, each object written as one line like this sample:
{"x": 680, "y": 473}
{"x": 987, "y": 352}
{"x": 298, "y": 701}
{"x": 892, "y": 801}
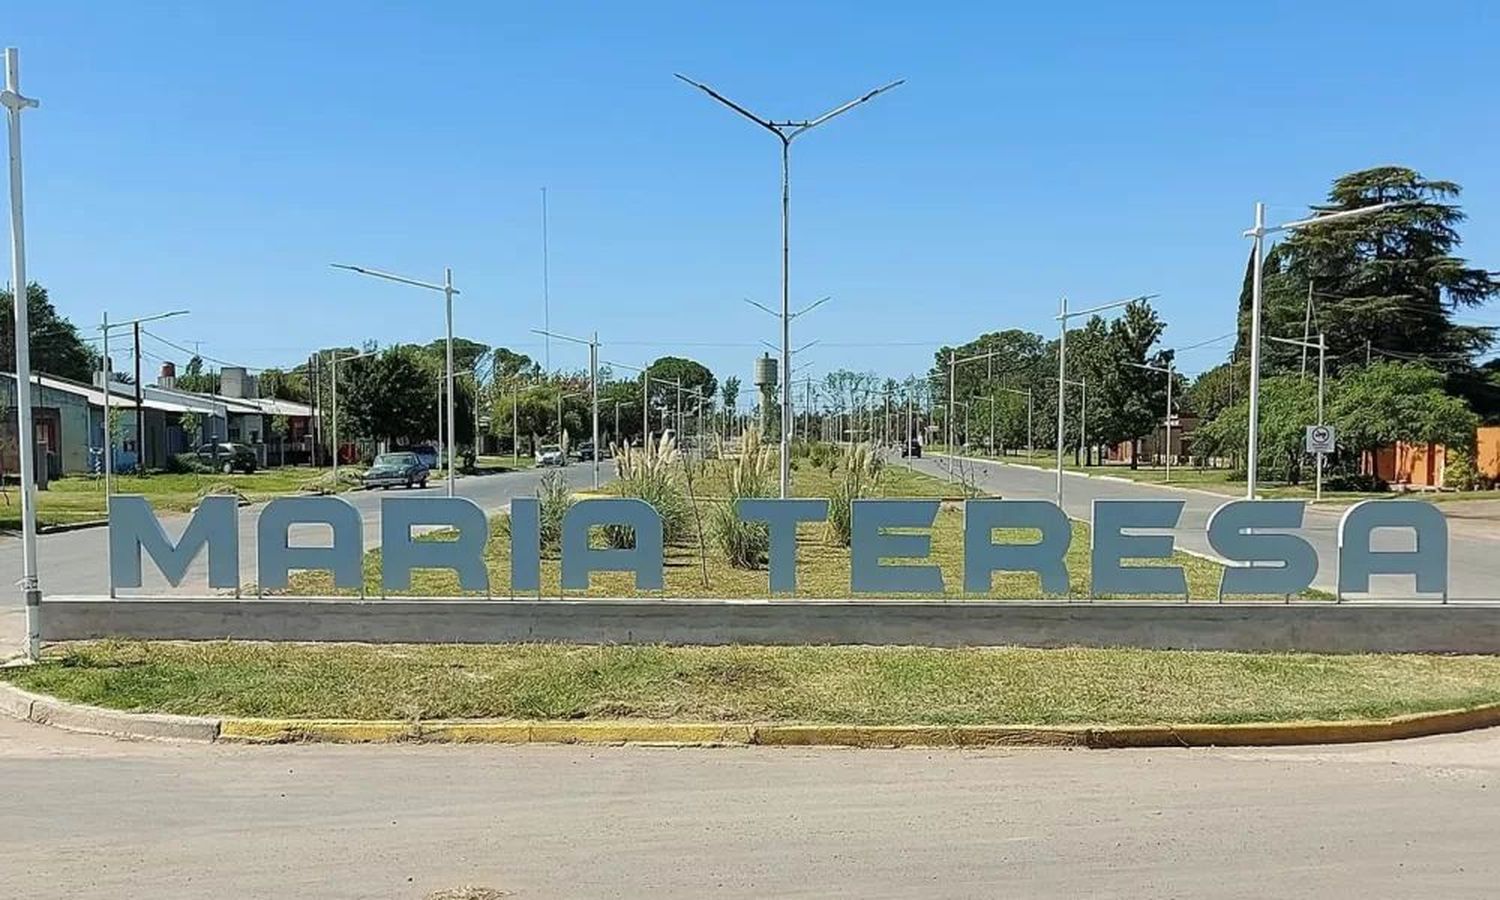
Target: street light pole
{"x": 14, "y": 102}
{"x": 1258, "y": 235}
{"x": 109, "y": 438}
{"x": 336, "y": 410}
{"x": 593, "y": 345}
{"x": 1322, "y": 347}
{"x": 786, "y": 132}
{"x": 1167, "y": 422}
{"x": 1063, "y": 314}
{"x": 448, "y": 291}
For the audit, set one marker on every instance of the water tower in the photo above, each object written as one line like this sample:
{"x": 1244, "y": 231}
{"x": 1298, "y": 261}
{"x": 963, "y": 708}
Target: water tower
{"x": 766, "y": 380}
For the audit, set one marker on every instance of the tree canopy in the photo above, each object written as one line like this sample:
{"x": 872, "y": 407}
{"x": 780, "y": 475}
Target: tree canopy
{"x": 55, "y": 347}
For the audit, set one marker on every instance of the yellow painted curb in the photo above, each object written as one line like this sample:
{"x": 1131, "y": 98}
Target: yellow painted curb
{"x": 505, "y": 731}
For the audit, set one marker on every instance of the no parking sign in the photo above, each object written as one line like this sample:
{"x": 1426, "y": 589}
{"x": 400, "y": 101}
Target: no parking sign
{"x": 1320, "y": 439}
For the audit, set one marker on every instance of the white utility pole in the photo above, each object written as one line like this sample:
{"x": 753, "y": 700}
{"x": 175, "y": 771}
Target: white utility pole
{"x": 448, "y": 291}
{"x": 593, "y": 345}
{"x": 14, "y": 102}
{"x": 1322, "y": 347}
{"x": 336, "y": 360}
{"x": 1063, "y": 315}
{"x": 1167, "y": 422}
{"x": 1258, "y": 235}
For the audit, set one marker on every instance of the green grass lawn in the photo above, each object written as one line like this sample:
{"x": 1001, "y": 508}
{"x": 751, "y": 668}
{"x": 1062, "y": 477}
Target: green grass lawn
{"x": 81, "y": 499}
{"x": 854, "y": 685}
{"x": 503, "y": 463}
{"x": 822, "y": 571}
{"x": 896, "y": 480}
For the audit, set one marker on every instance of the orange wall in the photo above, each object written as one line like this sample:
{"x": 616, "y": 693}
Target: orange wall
{"x": 1420, "y": 465}
{"x": 1487, "y": 458}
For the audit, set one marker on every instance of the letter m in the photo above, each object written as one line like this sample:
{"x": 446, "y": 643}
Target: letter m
{"x": 133, "y": 527}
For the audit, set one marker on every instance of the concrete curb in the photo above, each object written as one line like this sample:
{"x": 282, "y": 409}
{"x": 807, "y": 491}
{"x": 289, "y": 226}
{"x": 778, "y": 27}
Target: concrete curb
{"x": 44, "y": 710}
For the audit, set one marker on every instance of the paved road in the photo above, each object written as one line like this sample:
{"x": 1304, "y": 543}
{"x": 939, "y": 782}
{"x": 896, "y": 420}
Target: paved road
{"x": 89, "y": 817}
{"x": 1473, "y": 547}
{"x": 74, "y": 562}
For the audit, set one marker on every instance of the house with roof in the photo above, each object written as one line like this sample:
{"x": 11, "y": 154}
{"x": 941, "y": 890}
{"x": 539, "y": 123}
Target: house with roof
{"x": 68, "y": 421}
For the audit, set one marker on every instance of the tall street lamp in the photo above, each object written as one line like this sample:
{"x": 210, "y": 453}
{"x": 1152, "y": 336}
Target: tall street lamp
{"x": 786, "y": 132}
{"x": 593, "y": 345}
{"x": 1063, "y": 315}
{"x": 953, "y": 363}
{"x": 336, "y": 360}
{"x": 14, "y": 102}
{"x": 1167, "y": 422}
{"x": 448, "y": 291}
{"x": 1258, "y": 234}
{"x": 107, "y": 377}
{"x": 1322, "y": 347}
{"x": 645, "y": 398}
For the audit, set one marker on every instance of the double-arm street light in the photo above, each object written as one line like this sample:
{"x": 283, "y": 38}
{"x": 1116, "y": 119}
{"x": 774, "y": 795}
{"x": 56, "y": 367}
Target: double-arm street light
{"x": 1063, "y": 315}
{"x": 954, "y": 361}
{"x": 645, "y": 399}
{"x": 448, "y": 291}
{"x": 1258, "y": 234}
{"x": 1322, "y": 347}
{"x": 1168, "y": 371}
{"x": 593, "y": 345}
{"x": 336, "y": 360}
{"x": 786, "y": 132}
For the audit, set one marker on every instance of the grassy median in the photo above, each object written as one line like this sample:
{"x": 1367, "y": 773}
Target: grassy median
{"x": 81, "y": 499}
{"x": 694, "y": 570}
{"x": 845, "y": 685}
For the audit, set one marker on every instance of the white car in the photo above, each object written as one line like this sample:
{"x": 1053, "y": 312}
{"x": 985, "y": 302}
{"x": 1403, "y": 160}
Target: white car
{"x": 550, "y": 455}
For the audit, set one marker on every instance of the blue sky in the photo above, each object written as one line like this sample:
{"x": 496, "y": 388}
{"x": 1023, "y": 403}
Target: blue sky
{"x": 195, "y": 155}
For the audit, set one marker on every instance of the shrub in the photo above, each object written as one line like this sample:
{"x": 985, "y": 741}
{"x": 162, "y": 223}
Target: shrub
{"x": 554, "y": 497}
{"x": 1355, "y": 481}
{"x": 862, "y": 468}
{"x": 653, "y": 473}
{"x": 745, "y": 545}
{"x": 1460, "y": 474}
{"x": 186, "y": 464}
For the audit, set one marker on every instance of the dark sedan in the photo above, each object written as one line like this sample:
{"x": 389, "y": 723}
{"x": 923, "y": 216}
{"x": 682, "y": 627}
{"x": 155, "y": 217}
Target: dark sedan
{"x": 392, "y": 469}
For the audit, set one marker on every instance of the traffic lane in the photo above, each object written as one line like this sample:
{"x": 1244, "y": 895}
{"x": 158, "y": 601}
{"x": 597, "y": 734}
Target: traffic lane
{"x": 1470, "y": 555}
{"x": 1406, "y": 819}
{"x": 73, "y": 562}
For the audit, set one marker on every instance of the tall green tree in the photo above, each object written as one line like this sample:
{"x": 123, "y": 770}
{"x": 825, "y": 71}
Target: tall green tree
{"x": 1381, "y": 404}
{"x": 1389, "y": 281}
{"x": 55, "y": 345}
{"x": 391, "y": 396}
{"x": 693, "y": 375}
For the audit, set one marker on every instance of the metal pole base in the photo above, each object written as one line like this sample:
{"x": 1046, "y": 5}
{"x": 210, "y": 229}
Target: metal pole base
{"x": 34, "y": 623}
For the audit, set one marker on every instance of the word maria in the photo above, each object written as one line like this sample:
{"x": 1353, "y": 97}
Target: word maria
{"x": 1257, "y": 537}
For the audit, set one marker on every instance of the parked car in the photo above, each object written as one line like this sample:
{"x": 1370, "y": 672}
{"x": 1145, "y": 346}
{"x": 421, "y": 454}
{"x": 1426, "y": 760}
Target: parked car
{"x": 913, "y": 449}
{"x": 550, "y": 455}
{"x": 227, "y": 457}
{"x": 586, "y": 451}
{"x": 391, "y": 469}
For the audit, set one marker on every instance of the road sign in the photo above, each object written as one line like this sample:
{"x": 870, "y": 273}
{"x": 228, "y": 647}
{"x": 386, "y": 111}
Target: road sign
{"x": 1320, "y": 438}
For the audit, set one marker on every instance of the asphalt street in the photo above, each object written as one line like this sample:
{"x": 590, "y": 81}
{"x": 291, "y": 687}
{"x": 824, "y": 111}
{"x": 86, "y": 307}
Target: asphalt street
{"x": 88, "y": 817}
{"x": 1472, "y": 551}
